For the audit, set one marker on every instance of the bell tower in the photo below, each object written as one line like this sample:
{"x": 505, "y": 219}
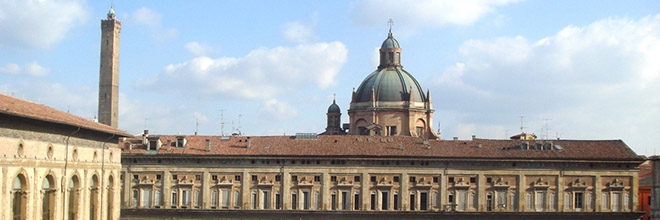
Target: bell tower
{"x": 109, "y": 70}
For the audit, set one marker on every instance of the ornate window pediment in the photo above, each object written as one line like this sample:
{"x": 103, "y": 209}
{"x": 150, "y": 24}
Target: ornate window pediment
{"x": 541, "y": 183}
{"x": 185, "y": 181}
{"x": 224, "y": 181}
{"x": 384, "y": 182}
{"x": 304, "y": 182}
{"x": 578, "y": 184}
{"x": 462, "y": 183}
{"x": 500, "y": 183}
{"x": 265, "y": 182}
{"x": 423, "y": 182}
{"x": 616, "y": 184}
{"x": 145, "y": 181}
{"x": 344, "y": 182}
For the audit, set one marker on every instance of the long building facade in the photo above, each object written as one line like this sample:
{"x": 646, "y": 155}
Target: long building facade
{"x": 56, "y": 165}
{"x": 366, "y": 173}
{"x": 387, "y": 159}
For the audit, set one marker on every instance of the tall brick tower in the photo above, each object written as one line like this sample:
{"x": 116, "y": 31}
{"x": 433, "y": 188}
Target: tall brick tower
{"x": 109, "y": 70}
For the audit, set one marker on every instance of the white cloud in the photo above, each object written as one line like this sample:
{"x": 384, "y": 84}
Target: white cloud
{"x": 274, "y": 109}
{"x": 298, "y": 32}
{"x": 422, "y": 13}
{"x": 595, "y": 81}
{"x": 152, "y": 20}
{"x": 262, "y": 74}
{"x": 33, "y": 24}
{"x": 30, "y": 69}
{"x": 197, "y": 49}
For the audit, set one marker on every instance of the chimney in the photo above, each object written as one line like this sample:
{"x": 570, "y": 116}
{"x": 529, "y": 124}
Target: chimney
{"x": 208, "y": 145}
{"x": 144, "y": 136}
{"x": 248, "y": 142}
{"x": 455, "y": 138}
{"x": 474, "y": 137}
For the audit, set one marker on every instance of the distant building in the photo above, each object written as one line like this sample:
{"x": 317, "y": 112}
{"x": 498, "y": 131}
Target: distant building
{"x": 645, "y": 183}
{"x": 391, "y": 161}
{"x": 56, "y": 165}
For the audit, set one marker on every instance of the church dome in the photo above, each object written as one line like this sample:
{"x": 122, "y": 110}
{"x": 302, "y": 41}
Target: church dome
{"x": 393, "y": 84}
{"x": 390, "y": 82}
{"x": 334, "y": 108}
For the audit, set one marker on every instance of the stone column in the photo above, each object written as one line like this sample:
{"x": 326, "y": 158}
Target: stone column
{"x": 405, "y": 194}
{"x": 325, "y": 191}
{"x": 206, "y": 191}
{"x": 286, "y": 192}
{"x": 245, "y": 190}
{"x": 481, "y": 193}
{"x": 521, "y": 192}
{"x": 560, "y": 191}
{"x": 167, "y": 187}
{"x": 597, "y": 193}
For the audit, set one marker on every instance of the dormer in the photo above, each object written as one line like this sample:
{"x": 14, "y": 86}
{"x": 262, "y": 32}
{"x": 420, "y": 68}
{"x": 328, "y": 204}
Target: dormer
{"x": 180, "y": 142}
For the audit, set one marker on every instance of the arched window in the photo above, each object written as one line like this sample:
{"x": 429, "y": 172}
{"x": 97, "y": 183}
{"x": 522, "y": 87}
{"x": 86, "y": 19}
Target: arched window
{"x": 94, "y": 198}
{"x": 19, "y": 200}
{"x": 74, "y": 196}
{"x": 48, "y": 200}
{"x": 111, "y": 197}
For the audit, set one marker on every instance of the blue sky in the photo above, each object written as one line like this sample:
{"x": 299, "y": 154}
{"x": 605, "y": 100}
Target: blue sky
{"x": 573, "y": 69}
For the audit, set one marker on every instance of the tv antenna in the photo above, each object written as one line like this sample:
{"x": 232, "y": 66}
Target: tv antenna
{"x": 521, "y": 124}
{"x": 222, "y": 122}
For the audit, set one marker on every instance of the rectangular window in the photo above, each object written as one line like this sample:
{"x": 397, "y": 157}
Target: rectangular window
{"x": 237, "y": 177}
{"x": 373, "y": 179}
{"x": 278, "y": 178}
{"x": 294, "y": 178}
{"x": 175, "y": 177}
{"x": 384, "y": 200}
{"x": 423, "y": 201}
{"x": 528, "y": 201}
{"x": 567, "y": 201}
{"x": 372, "y": 201}
{"x": 363, "y": 131}
{"x": 185, "y": 197}
{"x": 225, "y": 198}
{"x": 317, "y": 200}
{"x": 214, "y": 199}
{"x": 489, "y": 202}
{"x": 266, "y": 198}
{"x": 579, "y": 199}
{"x": 345, "y": 200}
{"x": 333, "y": 178}
{"x": 306, "y": 200}
{"x": 158, "y": 177}
{"x": 255, "y": 178}
{"x": 616, "y": 202}
{"x": 175, "y": 199}
{"x": 501, "y": 199}
{"x": 420, "y": 131}
{"x": 294, "y": 201}
{"x": 396, "y": 179}
{"x": 356, "y": 178}
{"x": 540, "y": 201}
{"x": 318, "y": 179}
{"x": 158, "y": 198}
{"x": 356, "y": 201}
{"x": 412, "y": 179}
{"x": 333, "y": 200}
{"x": 391, "y": 130}
{"x": 396, "y": 201}
{"x": 237, "y": 199}
{"x": 254, "y": 200}
{"x": 146, "y": 198}
{"x": 413, "y": 203}
{"x": 435, "y": 179}
{"x": 198, "y": 198}
{"x": 198, "y": 177}
{"x": 278, "y": 202}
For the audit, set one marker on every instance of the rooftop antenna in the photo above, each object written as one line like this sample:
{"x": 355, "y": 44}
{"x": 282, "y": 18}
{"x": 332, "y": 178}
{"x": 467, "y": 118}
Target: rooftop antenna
{"x": 521, "y": 124}
{"x": 196, "y": 125}
{"x": 222, "y": 122}
{"x": 545, "y": 128}
{"x": 506, "y": 133}
{"x": 239, "y": 124}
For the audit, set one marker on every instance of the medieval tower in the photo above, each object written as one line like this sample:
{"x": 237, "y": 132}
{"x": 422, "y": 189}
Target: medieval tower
{"x": 109, "y": 70}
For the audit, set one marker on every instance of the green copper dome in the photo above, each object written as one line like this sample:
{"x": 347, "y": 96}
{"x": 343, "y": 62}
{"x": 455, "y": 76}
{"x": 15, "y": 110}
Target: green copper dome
{"x": 390, "y": 82}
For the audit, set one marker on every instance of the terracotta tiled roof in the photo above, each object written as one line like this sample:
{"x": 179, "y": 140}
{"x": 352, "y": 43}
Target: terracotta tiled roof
{"x": 384, "y": 147}
{"x": 26, "y": 109}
